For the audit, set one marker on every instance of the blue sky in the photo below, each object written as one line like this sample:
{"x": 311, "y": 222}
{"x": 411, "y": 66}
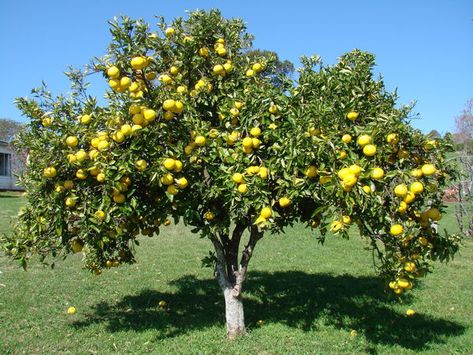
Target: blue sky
{"x": 423, "y": 48}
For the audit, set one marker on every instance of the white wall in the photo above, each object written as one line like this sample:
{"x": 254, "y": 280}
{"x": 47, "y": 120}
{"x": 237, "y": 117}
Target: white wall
{"x": 9, "y": 182}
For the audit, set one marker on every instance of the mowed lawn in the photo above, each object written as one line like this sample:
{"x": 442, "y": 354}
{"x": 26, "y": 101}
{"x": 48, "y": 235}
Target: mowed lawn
{"x": 312, "y": 298}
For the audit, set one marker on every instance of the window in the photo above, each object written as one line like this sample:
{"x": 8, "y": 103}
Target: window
{"x": 5, "y": 164}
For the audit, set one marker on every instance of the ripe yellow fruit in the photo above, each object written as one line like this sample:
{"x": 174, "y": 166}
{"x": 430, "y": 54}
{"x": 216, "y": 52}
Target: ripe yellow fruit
{"x": 410, "y": 312}
{"x": 402, "y": 207}
{"x": 377, "y": 173}
{"x": 392, "y": 138}
{"x": 263, "y": 172}
{"x": 396, "y": 229}
{"x": 363, "y": 140}
{"x": 119, "y": 198}
{"x": 342, "y": 155}
{"x": 428, "y": 169}
{"x": 255, "y": 131}
{"x": 169, "y": 104}
{"x": 209, "y": 216}
{"x": 81, "y": 155}
{"x": 311, "y": 172}
{"x": 352, "y": 115}
{"x": 416, "y": 187}
{"x": 141, "y": 164}
{"x": 367, "y": 189}
{"x": 417, "y": 173}
{"x": 355, "y": 169}
{"x": 169, "y": 163}
{"x": 204, "y": 52}
{"x": 178, "y": 166}
{"x": 250, "y": 73}
{"x": 349, "y": 180}
{"x": 182, "y": 183}
{"x": 100, "y": 177}
{"x": 346, "y": 138}
{"x": 403, "y": 283}
{"x": 125, "y": 129}
{"x": 81, "y": 174}
{"x": 113, "y": 72}
{"x": 50, "y": 172}
{"x": 174, "y": 70}
{"x": 135, "y": 128}
{"x": 85, "y": 119}
{"x": 221, "y": 51}
{"x": 172, "y": 190}
{"x": 46, "y": 122}
{"x": 70, "y": 202}
{"x": 335, "y": 226}
{"x": 125, "y": 82}
{"x": 219, "y": 70}
{"x": 181, "y": 89}
{"x": 266, "y": 212}
{"x": 103, "y": 145}
{"x": 255, "y": 143}
{"x": 234, "y": 112}
{"x": 284, "y": 201}
{"x": 242, "y": 188}
{"x": 409, "y": 197}
{"x": 346, "y": 219}
{"x": 247, "y": 142}
{"x": 149, "y": 114}
{"x": 369, "y": 150}
{"x": 400, "y": 190}
{"x": 228, "y": 67}
{"x": 200, "y": 141}
{"x": 273, "y": 109}
{"x": 169, "y": 32}
{"x": 99, "y": 214}
{"x": 257, "y": 67}
{"x": 138, "y": 63}
{"x": 118, "y": 137}
{"x": 71, "y": 158}
{"x": 71, "y": 310}
{"x": 72, "y": 141}
{"x": 167, "y": 179}
{"x": 238, "y": 178}
{"x": 410, "y": 266}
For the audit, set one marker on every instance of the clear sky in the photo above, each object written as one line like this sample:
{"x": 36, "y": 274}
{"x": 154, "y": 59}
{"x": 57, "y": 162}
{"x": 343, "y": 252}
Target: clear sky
{"x": 423, "y": 47}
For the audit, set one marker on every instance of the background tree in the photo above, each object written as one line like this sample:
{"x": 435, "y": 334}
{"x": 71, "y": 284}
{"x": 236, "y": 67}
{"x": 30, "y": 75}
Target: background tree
{"x": 9, "y": 129}
{"x": 464, "y": 144}
{"x": 196, "y": 130}
{"x": 278, "y": 70}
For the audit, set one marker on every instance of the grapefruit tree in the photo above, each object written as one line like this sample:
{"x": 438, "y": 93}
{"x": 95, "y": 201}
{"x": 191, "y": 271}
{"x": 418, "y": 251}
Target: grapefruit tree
{"x": 196, "y": 131}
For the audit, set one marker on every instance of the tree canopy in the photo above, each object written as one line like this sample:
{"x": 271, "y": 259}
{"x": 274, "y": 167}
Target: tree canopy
{"x": 198, "y": 131}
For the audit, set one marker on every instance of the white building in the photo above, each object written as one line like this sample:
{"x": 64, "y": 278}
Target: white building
{"x": 9, "y": 165}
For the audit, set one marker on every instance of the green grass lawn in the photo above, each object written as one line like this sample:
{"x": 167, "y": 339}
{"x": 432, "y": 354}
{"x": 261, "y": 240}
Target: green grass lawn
{"x": 311, "y": 298}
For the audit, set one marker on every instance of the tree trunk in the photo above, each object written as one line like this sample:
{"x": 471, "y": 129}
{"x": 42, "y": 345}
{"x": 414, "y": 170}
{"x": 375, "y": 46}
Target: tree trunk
{"x": 231, "y": 275}
{"x": 234, "y": 314}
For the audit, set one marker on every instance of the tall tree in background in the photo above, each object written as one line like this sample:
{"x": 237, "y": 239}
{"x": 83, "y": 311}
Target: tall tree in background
{"x": 9, "y": 129}
{"x": 464, "y": 139}
{"x": 278, "y": 70}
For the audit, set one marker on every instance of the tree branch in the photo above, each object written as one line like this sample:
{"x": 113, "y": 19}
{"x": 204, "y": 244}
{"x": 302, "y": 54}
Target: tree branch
{"x": 240, "y": 275}
{"x": 220, "y": 266}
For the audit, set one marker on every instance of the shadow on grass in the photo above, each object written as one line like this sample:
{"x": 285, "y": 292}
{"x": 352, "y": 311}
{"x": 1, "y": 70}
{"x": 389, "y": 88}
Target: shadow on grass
{"x": 297, "y": 299}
